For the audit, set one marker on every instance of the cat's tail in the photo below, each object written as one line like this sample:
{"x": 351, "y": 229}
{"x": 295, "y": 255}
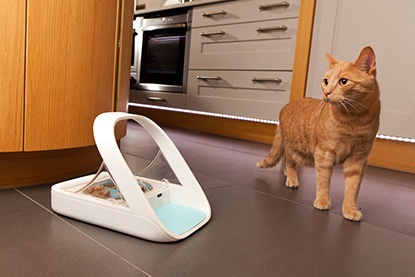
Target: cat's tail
{"x": 276, "y": 153}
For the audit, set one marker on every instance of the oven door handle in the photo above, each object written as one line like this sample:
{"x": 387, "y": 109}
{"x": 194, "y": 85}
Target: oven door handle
{"x": 160, "y": 27}
{"x": 159, "y": 99}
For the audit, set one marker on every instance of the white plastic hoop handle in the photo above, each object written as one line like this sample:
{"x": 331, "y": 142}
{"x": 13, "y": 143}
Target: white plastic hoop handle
{"x": 104, "y": 126}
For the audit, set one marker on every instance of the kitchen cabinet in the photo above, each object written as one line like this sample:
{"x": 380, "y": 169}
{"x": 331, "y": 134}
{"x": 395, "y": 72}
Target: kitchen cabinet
{"x": 159, "y": 98}
{"x": 245, "y": 46}
{"x": 236, "y": 82}
{"x": 61, "y": 65}
{"x": 234, "y": 92}
{"x": 244, "y": 11}
{"x": 241, "y": 57}
{"x": 12, "y": 58}
{"x": 70, "y": 65}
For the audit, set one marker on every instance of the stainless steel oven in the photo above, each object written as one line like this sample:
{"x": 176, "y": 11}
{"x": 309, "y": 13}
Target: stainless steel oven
{"x": 160, "y": 52}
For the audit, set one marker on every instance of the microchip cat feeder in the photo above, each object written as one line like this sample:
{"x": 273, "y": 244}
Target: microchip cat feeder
{"x": 146, "y": 208}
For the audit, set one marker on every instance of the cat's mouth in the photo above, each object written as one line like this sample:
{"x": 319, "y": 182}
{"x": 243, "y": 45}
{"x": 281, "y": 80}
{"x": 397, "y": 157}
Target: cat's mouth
{"x": 327, "y": 100}
{"x": 333, "y": 102}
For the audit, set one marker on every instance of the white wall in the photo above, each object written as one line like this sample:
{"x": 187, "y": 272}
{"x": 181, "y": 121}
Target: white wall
{"x": 344, "y": 27}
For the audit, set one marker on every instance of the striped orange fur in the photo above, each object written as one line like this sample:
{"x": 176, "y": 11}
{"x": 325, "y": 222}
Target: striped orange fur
{"x": 339, "y": 129}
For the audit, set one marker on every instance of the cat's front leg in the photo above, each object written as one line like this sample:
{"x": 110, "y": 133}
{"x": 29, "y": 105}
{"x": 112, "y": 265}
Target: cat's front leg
{"x": 353, "y": 174}
{"x": 324, "y": 162}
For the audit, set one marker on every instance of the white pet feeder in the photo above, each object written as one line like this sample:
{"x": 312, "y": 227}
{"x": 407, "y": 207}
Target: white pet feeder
{"x": 150, "y": 209}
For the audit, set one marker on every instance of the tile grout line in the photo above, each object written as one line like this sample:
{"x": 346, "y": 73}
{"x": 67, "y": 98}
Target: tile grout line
{"x": 83, "y": 233}
{"x": 274, "y": 196}
{"x": 329, "y": 212}
{"x": 220, "y": 187}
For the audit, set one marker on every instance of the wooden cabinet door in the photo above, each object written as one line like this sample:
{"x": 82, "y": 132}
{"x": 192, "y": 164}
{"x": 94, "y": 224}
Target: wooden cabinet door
{"x": 12, "y": 51}
{"x": 70, "y": 79}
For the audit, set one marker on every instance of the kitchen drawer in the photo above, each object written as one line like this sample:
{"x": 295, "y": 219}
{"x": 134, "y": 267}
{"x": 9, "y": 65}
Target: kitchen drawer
{"x": 166, "y": 99}
{"x": 243, "y": 11}
{"x": 235, "y": 93}
{"x": 241, "y": 46}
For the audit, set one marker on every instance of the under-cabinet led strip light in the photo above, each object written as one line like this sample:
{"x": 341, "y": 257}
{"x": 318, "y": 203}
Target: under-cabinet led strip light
{"x": 411, "y": 140}
{"x": 205, "y": 113}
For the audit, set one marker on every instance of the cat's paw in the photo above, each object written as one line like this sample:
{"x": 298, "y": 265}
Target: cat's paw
{"x": 292, "y": 183}
{"x": 352, "y": 214}
{"x": 262, "y": 164}
{"x": 322, "y": 204}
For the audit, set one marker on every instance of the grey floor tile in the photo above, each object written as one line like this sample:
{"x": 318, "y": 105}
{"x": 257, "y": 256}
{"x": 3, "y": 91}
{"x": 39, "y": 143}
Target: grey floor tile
{"x": 203, "y": 139}
{"x": 390, "y": 176}
{"x": 37, "y": 243}
{"x": 258, "y": 227}
{"x": 138, "y": 143}
{"x": 254, "y": 234}
{"x": 162, "y": 170}
{"x": 374, "y": 198}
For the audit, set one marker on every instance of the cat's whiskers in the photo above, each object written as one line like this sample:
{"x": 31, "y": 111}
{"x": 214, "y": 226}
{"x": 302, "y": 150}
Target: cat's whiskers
{"x": 359, "y": 107}
{"x": 345, "y": 107}
{"x": 356, "y": 102}
{"x": 346, "y": 101}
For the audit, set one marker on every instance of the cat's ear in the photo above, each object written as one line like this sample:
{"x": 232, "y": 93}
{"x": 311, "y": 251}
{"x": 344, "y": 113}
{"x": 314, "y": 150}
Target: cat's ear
{"x": 331, "y": 60}
{"x": 366, "y": 61}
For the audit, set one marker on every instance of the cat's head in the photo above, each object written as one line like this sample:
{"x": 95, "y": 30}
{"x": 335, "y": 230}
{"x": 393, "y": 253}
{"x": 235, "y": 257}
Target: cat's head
{"x": 350, "y": 83}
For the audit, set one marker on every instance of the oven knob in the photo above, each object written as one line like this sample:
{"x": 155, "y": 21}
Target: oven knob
{"x": 163, "y": 20}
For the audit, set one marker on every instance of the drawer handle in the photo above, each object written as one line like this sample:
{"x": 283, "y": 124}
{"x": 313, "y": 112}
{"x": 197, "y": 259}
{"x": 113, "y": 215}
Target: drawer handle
{"x": 152, "y": 98}
{"x": 268, "y": 29}
{"x": 208, "y": 78}
{"x": 212, "y": 34}
{"x": 284, "y": 4}
{"x": 221, "y": 12}
{"x": 277, "y": 80}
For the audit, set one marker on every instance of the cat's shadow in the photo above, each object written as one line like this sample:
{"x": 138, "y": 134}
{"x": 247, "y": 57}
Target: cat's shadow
{"x": 277, "y": 180}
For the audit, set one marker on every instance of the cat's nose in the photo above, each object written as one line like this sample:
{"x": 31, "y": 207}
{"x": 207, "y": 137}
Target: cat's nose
{"x": 326, "y": 93}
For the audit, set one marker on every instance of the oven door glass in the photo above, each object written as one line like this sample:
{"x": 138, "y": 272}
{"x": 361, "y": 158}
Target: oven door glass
{"x": 163, "y": 56}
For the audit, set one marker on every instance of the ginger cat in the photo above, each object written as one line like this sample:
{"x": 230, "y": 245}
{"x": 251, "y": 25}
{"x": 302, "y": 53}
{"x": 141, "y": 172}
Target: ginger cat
{"x": 340, "y": 129}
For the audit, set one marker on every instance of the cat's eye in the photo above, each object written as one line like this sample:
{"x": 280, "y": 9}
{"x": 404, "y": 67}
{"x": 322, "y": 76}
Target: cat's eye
{"x": 326, "y": 81}
{"x": 343, "y": 81}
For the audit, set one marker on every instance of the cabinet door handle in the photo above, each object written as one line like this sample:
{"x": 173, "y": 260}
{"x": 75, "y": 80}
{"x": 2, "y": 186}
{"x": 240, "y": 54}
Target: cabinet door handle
{"x": 152, "y": 98}
{"x": 277, "y": 80}
{"x": 208, "y": 78}
{"x": 221, "y": 12}
{"x": 268, "y": 29}
{"x": 284, "y": 4}
{"x": 212, "y": 34}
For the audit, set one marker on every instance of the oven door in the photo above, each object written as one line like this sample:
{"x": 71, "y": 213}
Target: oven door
{"x": 163, "y": 58}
